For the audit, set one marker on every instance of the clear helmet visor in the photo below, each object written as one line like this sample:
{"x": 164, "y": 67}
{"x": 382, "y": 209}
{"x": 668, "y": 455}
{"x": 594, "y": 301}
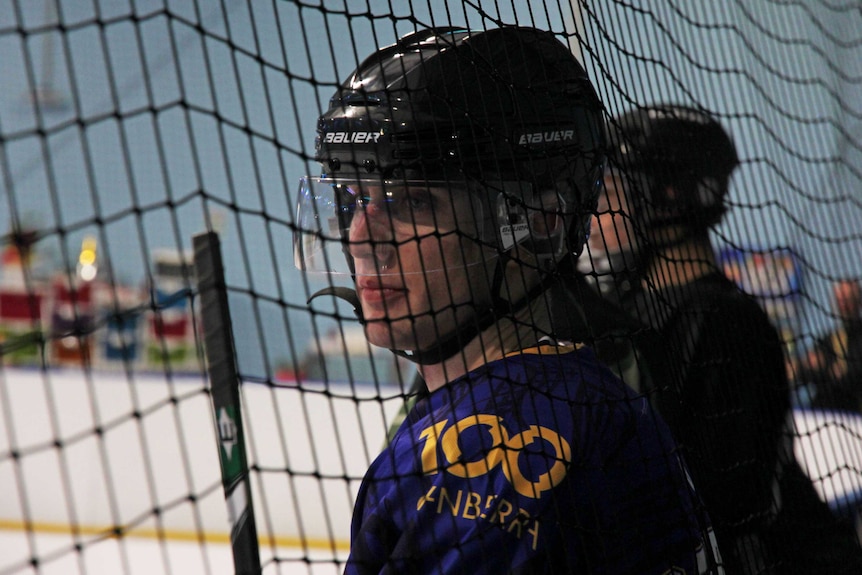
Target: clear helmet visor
{"x": 340, "y": 220}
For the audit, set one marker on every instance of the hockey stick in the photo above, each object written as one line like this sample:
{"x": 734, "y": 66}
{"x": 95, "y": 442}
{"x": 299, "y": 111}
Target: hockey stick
{"x": 224, "y": 386}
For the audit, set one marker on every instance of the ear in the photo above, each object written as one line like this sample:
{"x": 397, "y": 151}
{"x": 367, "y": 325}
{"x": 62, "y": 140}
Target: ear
{"x": 544, "y": 225}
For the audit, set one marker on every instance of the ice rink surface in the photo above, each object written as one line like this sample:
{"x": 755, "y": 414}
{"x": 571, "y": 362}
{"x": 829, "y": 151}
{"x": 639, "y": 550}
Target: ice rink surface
{"x": 146, "y": 556}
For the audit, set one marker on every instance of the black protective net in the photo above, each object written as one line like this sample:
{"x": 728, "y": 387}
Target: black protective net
{"x": 129, "y": 126}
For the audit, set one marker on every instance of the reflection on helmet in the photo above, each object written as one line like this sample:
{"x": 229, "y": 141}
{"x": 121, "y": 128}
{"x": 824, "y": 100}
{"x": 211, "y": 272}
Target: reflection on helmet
{"x": 505, "y": 115}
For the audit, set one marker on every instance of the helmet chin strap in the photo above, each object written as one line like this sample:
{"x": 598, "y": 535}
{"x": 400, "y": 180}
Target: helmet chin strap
{"x": 452, "y": 344}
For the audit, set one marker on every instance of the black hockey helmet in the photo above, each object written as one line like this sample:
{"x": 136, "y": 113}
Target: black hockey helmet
{"x": 506, "y": 116}
{"x": 507, "y": 111}
{"x": 671, "y": 146}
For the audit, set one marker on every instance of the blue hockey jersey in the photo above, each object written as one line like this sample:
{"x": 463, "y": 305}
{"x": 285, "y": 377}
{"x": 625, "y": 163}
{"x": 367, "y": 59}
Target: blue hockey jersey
{"x": 540, "y": 462}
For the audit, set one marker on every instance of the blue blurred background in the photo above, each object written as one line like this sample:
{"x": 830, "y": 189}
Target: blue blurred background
{"x": 141, "y": 132}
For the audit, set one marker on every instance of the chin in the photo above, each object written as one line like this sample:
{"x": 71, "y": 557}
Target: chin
{"x": 382, "y": 333}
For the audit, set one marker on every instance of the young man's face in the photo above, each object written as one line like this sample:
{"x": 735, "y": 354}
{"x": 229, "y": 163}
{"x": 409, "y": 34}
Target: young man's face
{"x": 419, "y": 268}
{"x": 611, "y": 229}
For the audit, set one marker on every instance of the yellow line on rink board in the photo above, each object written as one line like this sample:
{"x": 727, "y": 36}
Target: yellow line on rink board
{"x": 167, "y": 535}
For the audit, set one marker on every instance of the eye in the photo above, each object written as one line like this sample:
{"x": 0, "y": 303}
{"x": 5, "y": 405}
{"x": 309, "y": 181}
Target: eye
{"x": 420, "y": 201}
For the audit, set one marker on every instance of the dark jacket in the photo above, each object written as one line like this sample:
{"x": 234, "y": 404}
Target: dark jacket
{"x": 714, "y": 367}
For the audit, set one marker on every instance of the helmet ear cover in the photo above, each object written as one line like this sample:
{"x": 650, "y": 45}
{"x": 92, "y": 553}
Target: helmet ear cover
{"x": 543, "y": 222}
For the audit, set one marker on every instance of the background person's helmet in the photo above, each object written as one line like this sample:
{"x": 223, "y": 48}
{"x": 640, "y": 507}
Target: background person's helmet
{"x": 669, "y": 146}
{"x": 504, "y": 112}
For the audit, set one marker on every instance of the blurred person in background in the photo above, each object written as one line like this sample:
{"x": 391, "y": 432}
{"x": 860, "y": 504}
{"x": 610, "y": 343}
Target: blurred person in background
{"x": 833, "y": 365}
{"x": 708, "y": 357}
{"x": 605, "y": 274}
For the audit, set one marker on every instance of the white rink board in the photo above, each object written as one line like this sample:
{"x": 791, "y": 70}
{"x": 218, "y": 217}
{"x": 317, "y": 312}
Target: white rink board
{"x": 142, "y": 556}
{"x": 170, "y": 452}
{"x": 828, "y": 444}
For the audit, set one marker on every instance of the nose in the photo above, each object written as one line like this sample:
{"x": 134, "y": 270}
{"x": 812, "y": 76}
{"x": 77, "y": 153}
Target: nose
{"x": 372, "y": 237}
